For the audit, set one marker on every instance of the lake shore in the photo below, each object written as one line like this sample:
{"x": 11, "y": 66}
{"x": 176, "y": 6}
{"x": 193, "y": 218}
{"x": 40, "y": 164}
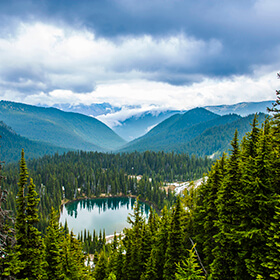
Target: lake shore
{"x": 103, "y": 195}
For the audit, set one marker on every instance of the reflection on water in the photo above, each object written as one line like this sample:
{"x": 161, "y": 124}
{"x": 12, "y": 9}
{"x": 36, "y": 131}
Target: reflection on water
{"x": 98, "y": 214}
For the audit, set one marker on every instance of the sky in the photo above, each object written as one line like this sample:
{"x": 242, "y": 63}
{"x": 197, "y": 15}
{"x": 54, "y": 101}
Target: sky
{"x": 148, "y": 54}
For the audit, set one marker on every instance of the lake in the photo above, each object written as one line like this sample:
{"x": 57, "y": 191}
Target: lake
{"x": 98, "y": 214}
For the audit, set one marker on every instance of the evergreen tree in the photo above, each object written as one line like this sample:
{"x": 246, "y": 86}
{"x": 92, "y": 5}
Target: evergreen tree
{"x": 101, "y": 268}
{"x": 133, "y": 264}
{"x": 175, "y": 246}
{"x": 228, "y": 256}
{"x": 206, "y": 214}
{"x": 53, "y": 241}
{"x": 20, "y": 224}
{"x": 151, "y": 272}
{"x": 257, "y": 202}
{"x": 34, "y": 247}
{"x": 189, "y": 269}
{"x": 272, "y": 261}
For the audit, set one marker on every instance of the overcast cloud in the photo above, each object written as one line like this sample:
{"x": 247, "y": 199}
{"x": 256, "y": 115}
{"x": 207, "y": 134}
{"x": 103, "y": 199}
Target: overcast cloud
{"x": 158, "y": 54}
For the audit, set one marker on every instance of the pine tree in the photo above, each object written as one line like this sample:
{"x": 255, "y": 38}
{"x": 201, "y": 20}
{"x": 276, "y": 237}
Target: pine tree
{"x": 151, "y": 272}
{"x": 257, "y": 201}
{"x": 20, "y": 224}
{"x": 206, "y": 214}
{"x": 148, "y": 239}
{"x": 27, "y": 258}
{"x": 101, "y": 268}
{"x": 228, "y": 259}
{"x": 272, "y": 262}
{"x": 34, "y": 247}
{"x": 73, "y": 259}
{"x": 133, "y": 264}
{"x": 189, "y": 269}
{"x": 175, "y": 246}
{"x": 53, "y": 241}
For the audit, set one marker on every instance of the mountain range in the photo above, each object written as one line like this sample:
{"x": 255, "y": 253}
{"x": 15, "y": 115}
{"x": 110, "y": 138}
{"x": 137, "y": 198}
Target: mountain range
{"x": 139, "y": 124}
{"x": 11, "y": 144}
{"x": 59, "y": 128}
{"x": 47, "y": 130}
{"x": 198, "y": 131}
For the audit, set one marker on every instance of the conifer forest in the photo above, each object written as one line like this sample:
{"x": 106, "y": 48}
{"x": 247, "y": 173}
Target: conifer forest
{"x": 226, "y": 228}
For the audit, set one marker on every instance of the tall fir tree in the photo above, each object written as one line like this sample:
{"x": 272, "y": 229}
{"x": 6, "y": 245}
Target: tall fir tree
{"x": 53, "y": 242}
{"x": 206, "y": 214}
{"x": 228, "y": 256}
{"x": 101, "y": 268}
{"x": 156, "y": 261}
{"x": 189, "y": 269}
{"x": 133, "y": 264}
{"x": 271, "y": 261}
{"x": 257, "y": 202}
{"x": 175, "y": 251}
{"x": 34, "y": 247}
{"x": 29, "y": 248}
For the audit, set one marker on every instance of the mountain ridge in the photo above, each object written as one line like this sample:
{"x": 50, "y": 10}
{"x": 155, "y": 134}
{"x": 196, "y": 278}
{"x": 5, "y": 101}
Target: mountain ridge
{"x": 11, "y": 145}
{"x": 63, "y": 129}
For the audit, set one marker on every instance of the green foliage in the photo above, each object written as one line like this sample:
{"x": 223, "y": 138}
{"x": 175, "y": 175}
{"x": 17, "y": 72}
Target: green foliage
{"x": 189, "y": 269}
{"x": 88, "y": 174}
{"x": 175, "y": 252}
{"x": 189, "y": 132}
{"x": 12, "y": 144}
{"x": 29, "y": 245}
{"x": 63, "y": 129}
{"x": 235, "y": 218}
{"x": 73, "y": 259}
{"x": 101, "y": 268}
{"x": 7, "y": 239}
{"x": 53, "y": 242}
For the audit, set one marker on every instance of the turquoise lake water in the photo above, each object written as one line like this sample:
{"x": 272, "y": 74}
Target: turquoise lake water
{"x": 102, "y": 213}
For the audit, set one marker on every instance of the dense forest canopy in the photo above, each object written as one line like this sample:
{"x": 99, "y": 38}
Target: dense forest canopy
{"x": 89, "y": 174}
{"x": 227, "y": 228}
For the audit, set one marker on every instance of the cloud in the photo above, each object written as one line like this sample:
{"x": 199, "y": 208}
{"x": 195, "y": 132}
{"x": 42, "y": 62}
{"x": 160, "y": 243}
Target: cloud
{"x": 45, "y": 58}
{"x": 173, "y": 54}
{"x": 159, "y": 96}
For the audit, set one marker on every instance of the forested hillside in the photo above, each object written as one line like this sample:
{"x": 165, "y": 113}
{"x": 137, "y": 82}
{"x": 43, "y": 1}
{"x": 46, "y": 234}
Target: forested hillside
{"x": 230, "y": 221}
{"x": 198, "y": 132}
{"x": 63, "y": 129}
{"x": 216, "y": 139}
{"x": 11, "y": 144}
{"x": 95, "y": 173}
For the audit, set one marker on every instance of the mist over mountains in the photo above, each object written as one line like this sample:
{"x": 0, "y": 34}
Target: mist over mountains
{"x": 199, "y": 131}
{"x": 131, "y": 124}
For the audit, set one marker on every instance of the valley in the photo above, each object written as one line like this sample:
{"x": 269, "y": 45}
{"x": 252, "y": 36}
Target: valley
{"x": 49, "y": 130}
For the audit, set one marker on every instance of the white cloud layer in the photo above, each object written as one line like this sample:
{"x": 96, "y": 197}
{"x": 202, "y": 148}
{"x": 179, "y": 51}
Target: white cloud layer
{"x": 44, "y": 57}
{"x": 50, "y": 64}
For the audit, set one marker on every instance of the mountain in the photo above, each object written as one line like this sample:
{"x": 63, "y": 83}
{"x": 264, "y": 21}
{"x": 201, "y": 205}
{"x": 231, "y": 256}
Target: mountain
{"x": 59, "y": 128}
{"x": 198, "y": 131}
{"x": 217, "y": 137}
{"x": 89, "y": 110}
{"x": 242, "y": 109}
{"x": 140, "y": 124}
{"x": 176, "y": 129}
{"x": 11, "y": 144}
